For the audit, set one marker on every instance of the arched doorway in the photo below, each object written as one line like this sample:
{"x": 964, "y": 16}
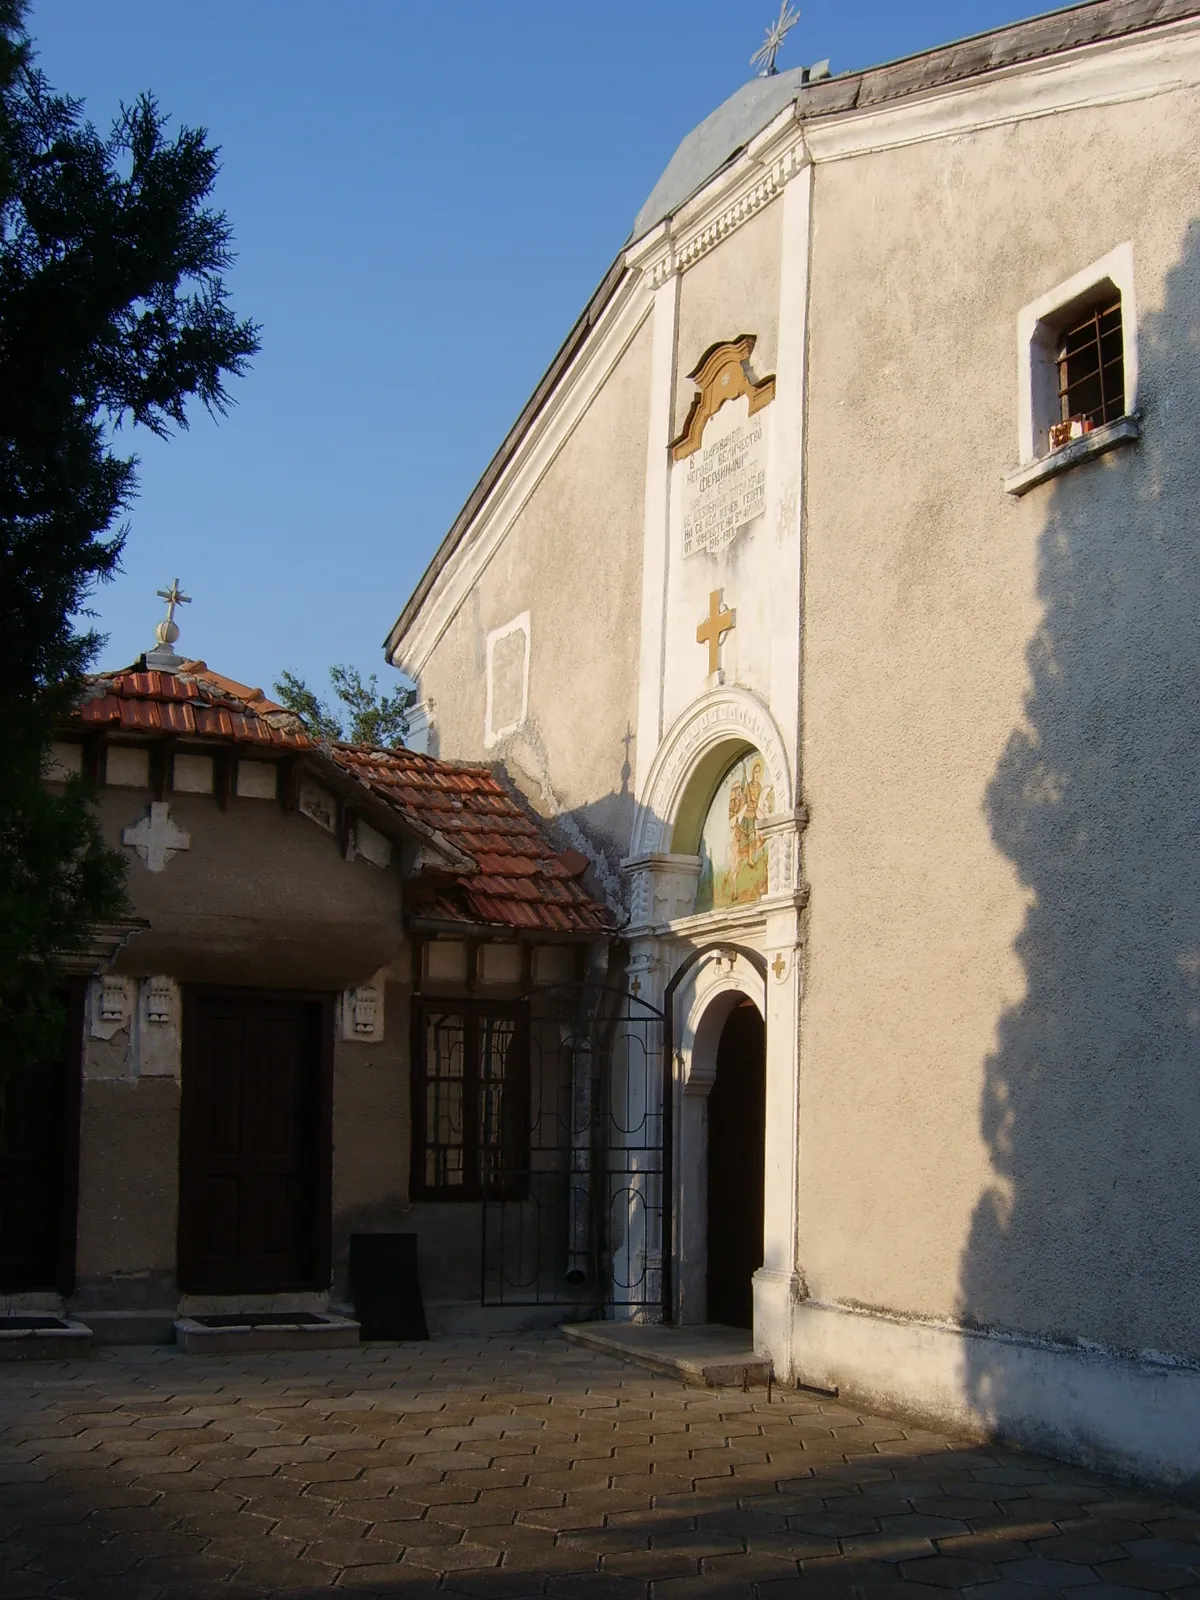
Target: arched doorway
{"x": 736, "y": 1137}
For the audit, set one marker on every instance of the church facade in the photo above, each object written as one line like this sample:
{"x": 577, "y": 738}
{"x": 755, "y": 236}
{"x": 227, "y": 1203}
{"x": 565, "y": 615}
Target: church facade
{"x": 834, "y": 595}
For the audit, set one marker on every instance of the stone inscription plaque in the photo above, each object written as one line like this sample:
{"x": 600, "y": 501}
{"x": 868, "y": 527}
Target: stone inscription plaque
{"x": 725, "y": 483}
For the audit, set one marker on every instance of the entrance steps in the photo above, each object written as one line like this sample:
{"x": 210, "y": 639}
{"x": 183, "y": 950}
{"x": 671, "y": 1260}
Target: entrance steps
{"x": 708, "y": 1355}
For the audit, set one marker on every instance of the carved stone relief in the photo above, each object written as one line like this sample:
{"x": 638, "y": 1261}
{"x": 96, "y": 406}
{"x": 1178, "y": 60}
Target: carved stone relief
{"x": 156, "y": 838}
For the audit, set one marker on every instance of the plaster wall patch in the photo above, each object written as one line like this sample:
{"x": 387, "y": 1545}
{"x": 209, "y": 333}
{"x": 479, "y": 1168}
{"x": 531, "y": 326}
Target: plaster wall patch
{"x": 507, "y": 679}
{"x": 156, "y": 838}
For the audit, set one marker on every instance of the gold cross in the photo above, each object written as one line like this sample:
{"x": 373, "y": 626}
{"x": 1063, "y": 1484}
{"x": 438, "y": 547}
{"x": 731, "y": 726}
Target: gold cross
{"x": 636, "y": 986}
{"x": 712, "y": 631}
{"x": 779, "y": 967}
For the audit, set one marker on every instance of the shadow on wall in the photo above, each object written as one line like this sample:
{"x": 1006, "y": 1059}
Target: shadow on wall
{"x": 1091, "y": 1102}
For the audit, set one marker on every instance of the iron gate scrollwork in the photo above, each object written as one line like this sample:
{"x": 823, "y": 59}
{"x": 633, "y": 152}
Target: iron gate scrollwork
{"x": 579, "y": 1223}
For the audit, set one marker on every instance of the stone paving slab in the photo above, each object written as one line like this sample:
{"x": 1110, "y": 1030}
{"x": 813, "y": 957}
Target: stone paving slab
{"x": 500, "y": 1468}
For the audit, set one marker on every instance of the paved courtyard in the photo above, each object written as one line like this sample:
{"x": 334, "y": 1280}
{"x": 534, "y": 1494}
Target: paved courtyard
{"x": 521, "y": 1466}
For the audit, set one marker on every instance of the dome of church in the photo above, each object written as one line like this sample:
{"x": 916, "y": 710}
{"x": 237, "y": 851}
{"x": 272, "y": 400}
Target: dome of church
{"x": 716, "y": 141}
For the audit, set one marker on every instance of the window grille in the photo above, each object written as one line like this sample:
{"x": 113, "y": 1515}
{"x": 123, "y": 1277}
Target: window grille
{"x": 1091, "y": 374}
{"x": 470, "y": 1102}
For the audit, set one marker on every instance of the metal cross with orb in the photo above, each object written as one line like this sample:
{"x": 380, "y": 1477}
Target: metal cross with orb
{"x": 167, "y": 632}
{"x": 764, "y": 57}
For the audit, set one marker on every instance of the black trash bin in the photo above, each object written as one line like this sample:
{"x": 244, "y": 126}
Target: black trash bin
{"x": 385, "y": 1286}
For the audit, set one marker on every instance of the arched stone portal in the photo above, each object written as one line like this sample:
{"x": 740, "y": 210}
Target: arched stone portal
{"x": 713, "y": 1008}
{"x": 721, "y": 782}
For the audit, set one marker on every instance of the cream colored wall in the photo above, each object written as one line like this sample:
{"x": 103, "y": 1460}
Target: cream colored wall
{"x": 732, "y": 290}
{"x": 1002, "y": 752}
{"x": 573, "y": 561}
{"x": 262, "y": 899}
{"x": 372, "y": 1130}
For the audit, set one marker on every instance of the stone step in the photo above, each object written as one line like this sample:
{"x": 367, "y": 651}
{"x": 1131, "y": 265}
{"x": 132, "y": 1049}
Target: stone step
{"x": 708, "y": 1356}
{"x": 43, "y": 1337}
{"x": 308, "y": 1331}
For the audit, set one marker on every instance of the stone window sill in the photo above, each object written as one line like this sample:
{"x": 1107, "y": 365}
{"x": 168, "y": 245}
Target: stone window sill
{"x": 1097, "y": 443}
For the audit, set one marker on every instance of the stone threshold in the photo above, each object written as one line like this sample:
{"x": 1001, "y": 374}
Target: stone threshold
{"x": 708, "y": 1355}
{"x": 317, "y": 1331}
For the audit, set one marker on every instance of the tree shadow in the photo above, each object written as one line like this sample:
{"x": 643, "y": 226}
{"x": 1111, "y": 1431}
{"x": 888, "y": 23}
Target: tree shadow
{"x": 1090, "y": 1233}
{"x": 752, "y": 1498}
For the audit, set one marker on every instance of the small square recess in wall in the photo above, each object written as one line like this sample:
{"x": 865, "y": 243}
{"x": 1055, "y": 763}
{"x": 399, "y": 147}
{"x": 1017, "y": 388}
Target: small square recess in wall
{"x": 127, "y": 768}
{"x": 192, "y": 774}
{"x": 256, "y": 780}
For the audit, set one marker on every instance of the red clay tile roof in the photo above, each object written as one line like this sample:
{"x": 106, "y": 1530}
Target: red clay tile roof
{"x": 190, "y": 701}
{"x": 523, "y": 881}
{"x": 520, "y": 880}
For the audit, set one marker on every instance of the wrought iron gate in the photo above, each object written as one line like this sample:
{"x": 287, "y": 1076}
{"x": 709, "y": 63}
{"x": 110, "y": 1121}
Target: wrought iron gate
{"x": 577, "y": 1219}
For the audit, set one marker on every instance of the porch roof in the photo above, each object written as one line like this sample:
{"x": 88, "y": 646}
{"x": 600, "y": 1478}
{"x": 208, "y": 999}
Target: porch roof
{"x": 502, "y": 870}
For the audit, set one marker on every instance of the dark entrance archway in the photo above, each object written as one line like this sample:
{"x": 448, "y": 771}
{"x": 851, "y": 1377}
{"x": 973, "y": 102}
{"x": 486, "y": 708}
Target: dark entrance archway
{"x": 736, "y": 1134}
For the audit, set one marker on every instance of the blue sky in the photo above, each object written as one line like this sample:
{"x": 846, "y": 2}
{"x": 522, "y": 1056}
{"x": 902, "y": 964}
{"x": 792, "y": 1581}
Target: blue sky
{"x": 423, "y": 197}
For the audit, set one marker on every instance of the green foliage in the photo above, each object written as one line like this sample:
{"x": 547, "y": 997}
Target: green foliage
{"x": 112, "y": 311}
{"x": 295, "y": 694}
{"x": 369, "y": 717}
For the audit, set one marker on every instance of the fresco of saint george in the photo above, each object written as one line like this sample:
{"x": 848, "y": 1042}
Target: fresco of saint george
{"x": 733, "y": 853}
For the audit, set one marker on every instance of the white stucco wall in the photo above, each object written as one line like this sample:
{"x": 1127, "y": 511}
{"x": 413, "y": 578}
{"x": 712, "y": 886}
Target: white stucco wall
{"x": 1001, "y": 752}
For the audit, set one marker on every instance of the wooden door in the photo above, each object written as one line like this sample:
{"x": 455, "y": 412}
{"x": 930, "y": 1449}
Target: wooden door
{"x": 737, "y": 1123}
{"x": 39, "y": 1164}
{"x": 254, "y": 1145}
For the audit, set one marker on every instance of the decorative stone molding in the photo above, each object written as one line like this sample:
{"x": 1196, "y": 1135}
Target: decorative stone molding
{"x": 662, "y": 888}
{"x": 644, "y": 975}
{"x": 771, "y": 160}
{"x": 157, "y": 1052}
{"x": 111, "y": 1006}
{"x": 722, "y": 715}
{"x": 699, "y": 1018}
{"x": 156, "y": 838}
{"x": 420, "y": 727}
{"x": 361, "y": 1013}
{"x": 782, "y": 834}
{"x": 721, "y": 374}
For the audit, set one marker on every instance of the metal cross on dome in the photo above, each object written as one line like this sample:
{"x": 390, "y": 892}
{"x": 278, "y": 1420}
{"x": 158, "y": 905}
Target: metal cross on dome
{"x": 764, "y": 57}
{"x": 174, "y": 596}
{"x": 168, "y": 631}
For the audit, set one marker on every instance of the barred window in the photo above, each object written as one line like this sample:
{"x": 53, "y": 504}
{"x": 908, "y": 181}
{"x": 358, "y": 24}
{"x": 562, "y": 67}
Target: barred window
{"x": 470, "y": 1102}
{"x": 1091, "y": 372}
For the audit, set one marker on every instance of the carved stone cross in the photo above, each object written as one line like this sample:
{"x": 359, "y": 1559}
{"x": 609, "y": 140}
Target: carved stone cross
{"x": 712, "y": 631}
{"x": 156, "y": 838}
